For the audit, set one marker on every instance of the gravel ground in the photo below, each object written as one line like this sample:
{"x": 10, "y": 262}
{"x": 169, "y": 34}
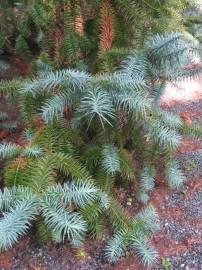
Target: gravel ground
{"x": 185, "y": 230}
{"x": 193, "y": 206}
{"x": 179, "y": 230}
{"x": 191, "y": 259}
{"x": 54, "y": 257}
{"x": 191, "y": 164}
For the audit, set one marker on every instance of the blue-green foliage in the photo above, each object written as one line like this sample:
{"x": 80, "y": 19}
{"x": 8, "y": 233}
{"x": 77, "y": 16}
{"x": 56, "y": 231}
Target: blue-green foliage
{"x": 91, "y": 130}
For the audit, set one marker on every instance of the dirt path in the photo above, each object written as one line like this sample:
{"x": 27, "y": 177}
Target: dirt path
{"x": 180, "y": 240}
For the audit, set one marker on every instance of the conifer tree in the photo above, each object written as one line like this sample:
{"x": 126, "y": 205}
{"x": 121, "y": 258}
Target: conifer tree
{"x": 82, "y": 133}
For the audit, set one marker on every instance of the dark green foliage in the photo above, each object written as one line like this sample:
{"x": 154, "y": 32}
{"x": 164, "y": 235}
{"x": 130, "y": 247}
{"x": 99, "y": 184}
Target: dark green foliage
{"x": 70, "y": 31}
{"x": 22, "y": 48}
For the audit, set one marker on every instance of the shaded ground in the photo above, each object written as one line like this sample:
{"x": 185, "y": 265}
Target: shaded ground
{"x": 180, "y": 240}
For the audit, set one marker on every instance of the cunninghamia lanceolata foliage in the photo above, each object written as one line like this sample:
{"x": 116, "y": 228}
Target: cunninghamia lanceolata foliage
{"x": 23, "y": 204}
{"x": 136, "y": 237}
{"x": 64, "y": 208}
{"x": 89, "y": 129}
